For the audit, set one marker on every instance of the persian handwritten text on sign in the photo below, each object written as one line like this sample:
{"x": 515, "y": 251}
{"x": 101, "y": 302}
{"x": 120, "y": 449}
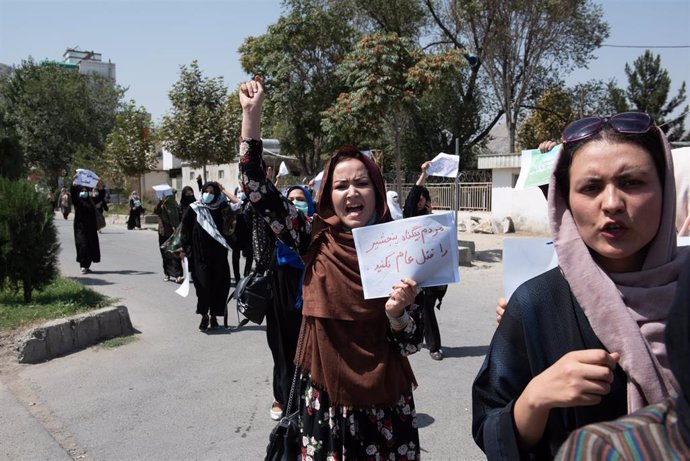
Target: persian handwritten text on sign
{"x": 424, "y": 248}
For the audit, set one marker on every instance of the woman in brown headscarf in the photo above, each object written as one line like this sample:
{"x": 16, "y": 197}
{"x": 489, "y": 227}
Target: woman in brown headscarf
{"x": 356, "y": 382}
{"x": 584, "y": 342}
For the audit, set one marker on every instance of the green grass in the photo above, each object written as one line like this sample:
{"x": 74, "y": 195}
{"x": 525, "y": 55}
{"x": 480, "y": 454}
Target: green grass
{"x": 117, "y": 342}
{"x": 62, "y": 298}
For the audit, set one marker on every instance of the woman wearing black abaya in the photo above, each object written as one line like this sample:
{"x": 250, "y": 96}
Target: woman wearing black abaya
{"x": 207, "y": 230}
{"x": 168, "y": 213}
{"x": 186, "y": 199}
{"x": 85, "y": 228}
{"x": 418, "y": 203}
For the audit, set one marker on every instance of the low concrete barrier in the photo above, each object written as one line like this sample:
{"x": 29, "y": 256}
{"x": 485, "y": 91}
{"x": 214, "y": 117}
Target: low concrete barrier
{"x": 62, "y": 336}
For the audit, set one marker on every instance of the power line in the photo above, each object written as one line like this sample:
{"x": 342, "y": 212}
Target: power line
{"x": 648, "y": 46}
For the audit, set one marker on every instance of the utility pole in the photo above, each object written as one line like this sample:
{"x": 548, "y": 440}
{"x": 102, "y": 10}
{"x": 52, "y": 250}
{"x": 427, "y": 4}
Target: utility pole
{"x": 456, "y": 195}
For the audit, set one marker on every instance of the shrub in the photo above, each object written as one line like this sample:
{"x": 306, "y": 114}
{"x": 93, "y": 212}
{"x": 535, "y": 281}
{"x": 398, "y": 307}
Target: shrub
{"x": 28, "y": 239}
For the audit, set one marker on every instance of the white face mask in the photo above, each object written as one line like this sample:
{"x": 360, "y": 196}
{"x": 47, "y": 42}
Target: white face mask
{"x": 84, "y": 194}
{"x": 207, "y": 197}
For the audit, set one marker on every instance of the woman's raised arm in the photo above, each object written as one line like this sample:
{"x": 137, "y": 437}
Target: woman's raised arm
{"x": 290, "y": 225}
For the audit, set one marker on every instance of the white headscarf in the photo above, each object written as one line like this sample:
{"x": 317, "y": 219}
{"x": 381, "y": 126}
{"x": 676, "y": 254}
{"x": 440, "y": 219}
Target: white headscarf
{"x": 394, "y": 204}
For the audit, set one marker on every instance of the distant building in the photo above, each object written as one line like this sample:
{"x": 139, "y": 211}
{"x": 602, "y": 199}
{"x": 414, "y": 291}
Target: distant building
{"x": 89, "y": 62}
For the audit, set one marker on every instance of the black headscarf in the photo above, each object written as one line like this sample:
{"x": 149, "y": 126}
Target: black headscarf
{"x": 185, "y": 201}
{"x": 678, "y": 347}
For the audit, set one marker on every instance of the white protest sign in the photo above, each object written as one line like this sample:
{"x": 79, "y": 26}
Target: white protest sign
{"x": 525, "y": 258}
{"x": 163, "y": 190}
{"x": 86, "y": 178}
{"x": 317, "y": 182}
{"x": 424, "y": 248}
{"x": 536, "y": 167}
{"x": 184, "y": 288}
{"x": 282, "y": 170}
{"x": 445, "y": 165}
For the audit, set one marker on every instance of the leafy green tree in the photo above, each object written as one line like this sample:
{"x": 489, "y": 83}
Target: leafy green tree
{"x": 28, "y": 239}
{"x": 648, "y": 90}
{"x": 11, "y": 156}
{"x": 298, "y": 57}
{"x": 554, "y": 109}
{"x": 519, "y": 42}
{"x": 196, "y": 130}
{"x": 386, "y": 75}
{"x": 130, "y": 148}
{"x": 58, "y": 113}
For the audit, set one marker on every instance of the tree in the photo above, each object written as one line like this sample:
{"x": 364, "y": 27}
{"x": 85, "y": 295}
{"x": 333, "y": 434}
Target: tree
{"x": 58, "y": 113}
{"x": 298, "y": 57}
{"x": 519, "y": 42}
{"x": 648, "y": 91}
{"x": 554, "y": 109}
{"x": 28, "y": 239}
{"x": 197, "y": 129}
{"x": 558, "y": 105}
{"x": 130, "y": 148}
{"x": 11, "y": 155}
{"x": 386, "y": 75}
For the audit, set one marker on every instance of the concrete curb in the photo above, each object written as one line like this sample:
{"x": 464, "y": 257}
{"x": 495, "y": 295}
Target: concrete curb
{"x": 62, "y": 336}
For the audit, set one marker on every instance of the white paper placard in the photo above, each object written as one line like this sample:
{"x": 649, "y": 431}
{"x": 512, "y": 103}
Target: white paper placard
{"x": 163, "y": 190}
{"x": 424, "y": 248}
{"x": 86, "y": 178}
{"x": 184, "y": 288}
{"x": 525, "y": 258}
{"x": 282, "y": 170}
{"x": 445, "y": 165}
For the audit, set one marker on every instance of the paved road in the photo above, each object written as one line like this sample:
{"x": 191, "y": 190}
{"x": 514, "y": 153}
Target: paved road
{"x": 177, "y": 393}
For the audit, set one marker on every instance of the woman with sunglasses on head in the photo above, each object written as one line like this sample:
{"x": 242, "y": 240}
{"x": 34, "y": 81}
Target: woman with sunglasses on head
{"x": 583, "y": 342}
{"x": 355, "y": 381}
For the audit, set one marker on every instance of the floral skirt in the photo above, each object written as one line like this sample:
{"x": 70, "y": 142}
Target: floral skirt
{"x": 337, "y": 433}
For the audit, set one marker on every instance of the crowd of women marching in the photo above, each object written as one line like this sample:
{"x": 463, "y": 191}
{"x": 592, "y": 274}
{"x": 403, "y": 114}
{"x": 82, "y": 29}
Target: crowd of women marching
{"x": 589, "y": 360}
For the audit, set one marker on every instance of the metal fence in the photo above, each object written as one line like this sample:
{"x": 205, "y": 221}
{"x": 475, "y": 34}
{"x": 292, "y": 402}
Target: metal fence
{"x": 473, "y": 196}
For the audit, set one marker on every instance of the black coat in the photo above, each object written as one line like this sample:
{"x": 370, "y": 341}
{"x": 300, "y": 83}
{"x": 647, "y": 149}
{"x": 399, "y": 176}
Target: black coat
{"x": 542, "y": 322}
{"x": 85, "y": 228}
{"x": 209, "y": 259}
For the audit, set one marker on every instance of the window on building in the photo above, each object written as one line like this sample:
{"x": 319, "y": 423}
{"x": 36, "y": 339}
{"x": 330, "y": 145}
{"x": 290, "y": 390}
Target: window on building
{"x": 221, "y": 174}
{"x": 191, "y": 176}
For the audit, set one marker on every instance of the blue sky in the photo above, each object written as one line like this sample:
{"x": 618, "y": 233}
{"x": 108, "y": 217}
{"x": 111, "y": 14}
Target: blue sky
{"x": 149, "y": 39}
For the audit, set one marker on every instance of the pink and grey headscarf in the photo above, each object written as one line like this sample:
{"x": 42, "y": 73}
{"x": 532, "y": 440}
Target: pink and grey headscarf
{"x": 627, "y": 311}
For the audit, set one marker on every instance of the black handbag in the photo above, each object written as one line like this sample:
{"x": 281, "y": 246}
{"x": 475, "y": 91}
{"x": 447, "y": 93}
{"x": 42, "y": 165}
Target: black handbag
{"x": 254, "y": 295}
{"x": 284, "y": 443}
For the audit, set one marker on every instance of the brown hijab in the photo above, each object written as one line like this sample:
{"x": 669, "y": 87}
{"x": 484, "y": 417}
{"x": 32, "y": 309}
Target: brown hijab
{"x": 627, "y": 311}
{"x": 346, "y": 347}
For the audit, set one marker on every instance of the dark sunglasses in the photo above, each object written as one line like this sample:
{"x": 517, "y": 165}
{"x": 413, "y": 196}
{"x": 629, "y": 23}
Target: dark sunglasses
{"x": 624, "y": 123}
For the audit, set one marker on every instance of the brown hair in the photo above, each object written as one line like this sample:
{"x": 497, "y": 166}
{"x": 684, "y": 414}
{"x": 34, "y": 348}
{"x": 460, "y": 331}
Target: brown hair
{"x": 650, "y": 141}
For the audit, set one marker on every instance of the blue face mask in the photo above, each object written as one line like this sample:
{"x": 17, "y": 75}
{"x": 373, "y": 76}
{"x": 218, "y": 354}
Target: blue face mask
{"x": 301, "y": 206}
{"x": 241, "y": 196}
{"x": 207, "y": 197}
{"x": 83, "y": 194}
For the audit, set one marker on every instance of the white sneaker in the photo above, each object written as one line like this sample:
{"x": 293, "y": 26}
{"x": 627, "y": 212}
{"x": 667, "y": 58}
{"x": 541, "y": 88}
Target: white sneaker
{"x": 84, "y": 270}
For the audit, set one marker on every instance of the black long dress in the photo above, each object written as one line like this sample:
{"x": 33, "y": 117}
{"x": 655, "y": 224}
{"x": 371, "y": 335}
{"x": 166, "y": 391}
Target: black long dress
{"x": 208, "y": 260}
{"x": 542, "y": 323}
{"x": 428, "y": 296}
{"x": 85, "y": 228}
{"x": 134, "y": 219}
